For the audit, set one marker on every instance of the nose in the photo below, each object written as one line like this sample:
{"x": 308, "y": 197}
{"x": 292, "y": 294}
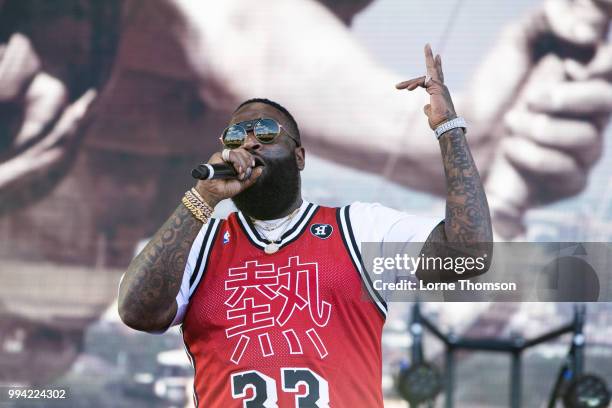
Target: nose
{"x": 251, "y": 143}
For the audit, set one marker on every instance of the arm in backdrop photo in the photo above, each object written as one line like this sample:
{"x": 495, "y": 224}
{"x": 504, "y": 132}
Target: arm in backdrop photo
{"x": 290, "y": 61}
{"x": 289, "y": 51}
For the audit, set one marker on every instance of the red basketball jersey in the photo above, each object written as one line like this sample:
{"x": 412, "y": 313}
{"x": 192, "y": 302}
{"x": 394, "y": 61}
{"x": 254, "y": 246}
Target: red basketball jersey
{"x": 289, "y": 329}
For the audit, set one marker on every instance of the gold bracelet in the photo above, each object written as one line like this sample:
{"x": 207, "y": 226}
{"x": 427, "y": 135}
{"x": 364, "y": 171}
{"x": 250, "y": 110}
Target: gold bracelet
{"x": 197, "y": 194}
{"x": 195, "y": 210}
{"x": 202, "y": 206}
{"x": 198, "y": 208}
{"x": 198, "y": 215}
{"x": 197, "y": 199}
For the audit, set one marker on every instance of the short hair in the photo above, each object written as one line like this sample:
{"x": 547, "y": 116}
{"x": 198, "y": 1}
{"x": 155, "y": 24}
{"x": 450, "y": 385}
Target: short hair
{"x": 293, "y": 126}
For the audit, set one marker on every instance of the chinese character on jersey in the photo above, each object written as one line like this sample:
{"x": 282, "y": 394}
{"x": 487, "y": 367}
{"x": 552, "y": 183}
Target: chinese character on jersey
{"x": 264, "y": 301}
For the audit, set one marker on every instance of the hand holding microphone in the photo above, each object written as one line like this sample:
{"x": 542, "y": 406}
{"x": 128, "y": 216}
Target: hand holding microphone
{"x": 224, "y": 177}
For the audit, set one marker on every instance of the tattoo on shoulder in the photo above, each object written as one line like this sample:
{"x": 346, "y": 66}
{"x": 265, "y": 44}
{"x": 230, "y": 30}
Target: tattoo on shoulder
{"x": 154, "y": 276}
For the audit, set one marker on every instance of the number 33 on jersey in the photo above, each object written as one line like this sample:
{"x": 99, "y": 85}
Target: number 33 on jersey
{"x": 316, "y": 391}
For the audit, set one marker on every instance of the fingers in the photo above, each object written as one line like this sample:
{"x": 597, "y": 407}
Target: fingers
{"x": 579, "y": 138}
{"x": 252, "y": 177}
{"x": 44, "y": 100}
{"x": 434, "y": 76}
{"x": 590, "y": 97}
{"x": 432, "y": 86}
{"x": 552, "y": 169}
{"x": 232, "y": 187}
{"x": 430, "y": 63}
{"x": 439, "y": 68}
{"x": 70, "y": 121}
{"x": 531, "y": 157}
{"x": 52, "y": 149}
{"x": 576, "y": 21}
{"x": 18, "y": 65}
{"x": 215, "y": 158}
{"x": 242, "y": 161}
{"x": 412, "y": 84}
{"x": 600, "y": 65}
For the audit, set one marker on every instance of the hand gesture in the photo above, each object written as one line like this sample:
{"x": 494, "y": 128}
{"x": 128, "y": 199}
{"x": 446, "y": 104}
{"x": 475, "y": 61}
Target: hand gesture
{"x": 247, "y": 171}
{"x": 440, "y": 107}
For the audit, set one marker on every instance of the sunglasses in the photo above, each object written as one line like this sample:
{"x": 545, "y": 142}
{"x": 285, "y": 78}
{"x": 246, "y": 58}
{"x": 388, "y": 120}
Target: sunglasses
{"x": 265, "y": 130}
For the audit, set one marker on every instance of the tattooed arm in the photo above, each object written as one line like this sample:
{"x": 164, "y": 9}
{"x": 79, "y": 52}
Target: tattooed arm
{"x": 147, "y": 293}
{"x": 466, "y": 230}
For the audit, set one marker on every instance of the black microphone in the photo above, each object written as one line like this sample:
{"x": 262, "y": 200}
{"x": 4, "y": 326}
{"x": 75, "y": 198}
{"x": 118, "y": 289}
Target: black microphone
{"x": 221, "y": 171}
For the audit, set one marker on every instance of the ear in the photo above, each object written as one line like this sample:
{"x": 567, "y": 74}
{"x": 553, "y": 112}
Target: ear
{"x": 300, "y": 157}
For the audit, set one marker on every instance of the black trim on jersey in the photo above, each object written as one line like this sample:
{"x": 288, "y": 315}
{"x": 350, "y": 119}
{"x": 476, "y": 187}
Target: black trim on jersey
{"x": 246, "y": 231}
{"x": 251, "y": 227}
{"x": 358, "y": 252}
{"x": 298, "y": 228}
{"x": 301, "y": 226}
{"x": 200, "y": 255}
{"x": 286, "y": 233}
{"x": 316, "y": 210}
{"x": 297, "y": 224}
{"x": 208, "y": 241}
{"x": 193, "y": 364}
{"x": 343, "y": 212}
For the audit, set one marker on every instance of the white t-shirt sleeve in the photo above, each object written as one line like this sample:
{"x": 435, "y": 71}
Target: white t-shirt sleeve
{"x": 182, "y": 298}
{"x": 373, "y": 222}
{"x": 393, "y": 232}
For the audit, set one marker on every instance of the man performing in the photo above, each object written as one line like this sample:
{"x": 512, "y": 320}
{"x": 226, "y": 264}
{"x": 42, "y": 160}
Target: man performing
{"x": 270, "y": 299}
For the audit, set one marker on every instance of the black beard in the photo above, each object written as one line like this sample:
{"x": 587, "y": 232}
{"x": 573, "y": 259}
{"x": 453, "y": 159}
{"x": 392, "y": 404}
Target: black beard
{"x": 273, "y": 192}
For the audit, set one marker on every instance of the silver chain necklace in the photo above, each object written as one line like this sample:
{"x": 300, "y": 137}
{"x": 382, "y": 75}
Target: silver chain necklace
{"x": 268, "y": 226}
{"x": 272, "y": 245}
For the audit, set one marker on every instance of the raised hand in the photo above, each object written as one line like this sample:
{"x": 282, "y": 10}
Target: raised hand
{"x": 440, "y": 107}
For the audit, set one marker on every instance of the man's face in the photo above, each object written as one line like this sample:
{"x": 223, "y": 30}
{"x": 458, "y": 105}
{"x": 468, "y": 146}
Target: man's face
{"x": 278, "y": 188}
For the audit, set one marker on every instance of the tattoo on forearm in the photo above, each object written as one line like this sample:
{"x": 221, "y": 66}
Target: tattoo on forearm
{"x": 153, "y": 279}
{"x": 467, "y": 211}
{"x": 467, "y": 227}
